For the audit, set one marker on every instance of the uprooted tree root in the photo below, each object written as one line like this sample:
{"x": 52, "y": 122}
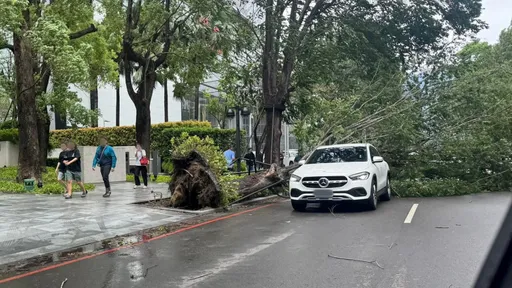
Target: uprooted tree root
{"x": 195, "y": 186}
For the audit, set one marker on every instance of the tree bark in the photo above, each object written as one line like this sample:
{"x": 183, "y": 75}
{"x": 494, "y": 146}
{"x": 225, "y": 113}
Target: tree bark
{"x": 29, "y": 160}
{"x": 166, "y": 101}
{"x": 43, "y": 132}
{"x": 93, "y": 94}
{"x": 274, "y": 117}
{"x": 143, "y": 124}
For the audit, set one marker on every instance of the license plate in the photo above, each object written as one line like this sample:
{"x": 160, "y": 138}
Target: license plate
{"x": 323, "y": 194}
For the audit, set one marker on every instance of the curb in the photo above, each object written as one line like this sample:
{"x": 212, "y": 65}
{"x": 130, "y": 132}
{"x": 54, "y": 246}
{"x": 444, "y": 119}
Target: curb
{"x": 211, "y": 210}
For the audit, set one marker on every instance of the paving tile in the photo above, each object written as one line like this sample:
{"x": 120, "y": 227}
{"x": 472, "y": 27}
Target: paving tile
{"x": 31, "y": 225}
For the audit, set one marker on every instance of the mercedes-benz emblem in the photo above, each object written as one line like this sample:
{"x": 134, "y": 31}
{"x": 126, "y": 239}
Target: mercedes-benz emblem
{"x": 323, "y": 182}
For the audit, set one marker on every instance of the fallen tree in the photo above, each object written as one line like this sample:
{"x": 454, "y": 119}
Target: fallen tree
{"x": 194, "y": 186}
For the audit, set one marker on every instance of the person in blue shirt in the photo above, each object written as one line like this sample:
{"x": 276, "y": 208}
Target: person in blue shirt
{"x": 105, "y": 157}
{"x": 230, "y": 158}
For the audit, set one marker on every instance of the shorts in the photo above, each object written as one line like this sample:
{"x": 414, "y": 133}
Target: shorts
{"x": 61, "y": 176}
{"x": 74, "y": 176}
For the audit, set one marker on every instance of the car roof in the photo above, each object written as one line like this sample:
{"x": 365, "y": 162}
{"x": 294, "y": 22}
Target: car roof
{"x": 345, "y": 145}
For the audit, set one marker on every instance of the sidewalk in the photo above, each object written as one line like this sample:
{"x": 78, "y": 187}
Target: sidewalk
{"x": 32, "y": 225}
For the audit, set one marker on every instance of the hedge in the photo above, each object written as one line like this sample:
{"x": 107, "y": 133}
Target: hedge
{"x": 10, "y": 135}
{"x": 117, "y": 136}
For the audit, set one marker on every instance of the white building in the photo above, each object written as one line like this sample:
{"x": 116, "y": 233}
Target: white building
{"x": 107, "y": 105}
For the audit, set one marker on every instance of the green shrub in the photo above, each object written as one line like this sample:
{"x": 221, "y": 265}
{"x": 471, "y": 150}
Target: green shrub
{"x": 50, "y": 184}
{"x": 117, "y": 136}
{"x": 433, "y": 187}
{"x": 205, "y": 146}
{"x": 10, "y": 135}
{"x": 221, "y": 137}
{"x": 9, "y": 124}
{"x": 229, "y": 185}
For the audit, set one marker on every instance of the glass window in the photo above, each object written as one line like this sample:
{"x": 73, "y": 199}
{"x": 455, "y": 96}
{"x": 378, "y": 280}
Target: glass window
{"x": 339, "y": 154}
{"x": 374, "y": 152}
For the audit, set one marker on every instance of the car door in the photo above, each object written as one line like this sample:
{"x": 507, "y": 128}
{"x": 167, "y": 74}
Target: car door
{"x": 380, "y": 169}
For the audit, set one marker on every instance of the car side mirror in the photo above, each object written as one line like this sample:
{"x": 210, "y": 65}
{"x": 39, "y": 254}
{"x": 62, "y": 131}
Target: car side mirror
{"x": 377, "y": 159}
{"x": 302, "y": 162}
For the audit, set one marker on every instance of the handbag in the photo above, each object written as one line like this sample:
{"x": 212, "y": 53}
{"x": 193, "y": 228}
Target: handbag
{"x": 144, "y": 161}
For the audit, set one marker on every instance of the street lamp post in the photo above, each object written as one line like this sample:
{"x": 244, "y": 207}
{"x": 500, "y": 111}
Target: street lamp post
{"x": 236, "y": 112}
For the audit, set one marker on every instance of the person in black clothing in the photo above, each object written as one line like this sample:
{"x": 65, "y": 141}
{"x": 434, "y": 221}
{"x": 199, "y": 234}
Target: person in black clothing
{"x": 73, "y": 170}
{"x": 60, "y": 170}
{"x": 250, "y": 159}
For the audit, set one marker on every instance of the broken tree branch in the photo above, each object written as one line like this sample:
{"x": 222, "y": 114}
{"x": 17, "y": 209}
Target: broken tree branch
{"x": 374, "y": 262}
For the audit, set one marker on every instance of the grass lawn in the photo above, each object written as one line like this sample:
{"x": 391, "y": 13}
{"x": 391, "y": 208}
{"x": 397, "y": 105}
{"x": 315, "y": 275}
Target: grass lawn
{"x": 8, "y": 183}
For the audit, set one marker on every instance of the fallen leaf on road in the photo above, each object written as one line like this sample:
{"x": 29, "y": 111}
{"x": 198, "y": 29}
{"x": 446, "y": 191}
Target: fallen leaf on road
{"x": 442, "y": 227}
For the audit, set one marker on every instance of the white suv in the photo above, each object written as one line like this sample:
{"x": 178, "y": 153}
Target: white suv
{"x": 339, "y": 173}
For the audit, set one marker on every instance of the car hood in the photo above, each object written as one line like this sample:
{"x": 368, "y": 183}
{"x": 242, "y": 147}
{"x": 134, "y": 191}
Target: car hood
{"x": 331, "y": 169}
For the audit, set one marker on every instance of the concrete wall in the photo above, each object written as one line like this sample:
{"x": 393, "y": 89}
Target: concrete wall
{"x": 8, "y": 154}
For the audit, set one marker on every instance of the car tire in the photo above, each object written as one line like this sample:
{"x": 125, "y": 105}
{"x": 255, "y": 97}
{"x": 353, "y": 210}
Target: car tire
{"x": 299, "y": 206}
{"x": 373, "y": 199}
{"x": 387, "y": 193}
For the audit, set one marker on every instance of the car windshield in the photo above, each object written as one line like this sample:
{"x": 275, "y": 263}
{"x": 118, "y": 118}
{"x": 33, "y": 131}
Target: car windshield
{"x": 338, "y": 154}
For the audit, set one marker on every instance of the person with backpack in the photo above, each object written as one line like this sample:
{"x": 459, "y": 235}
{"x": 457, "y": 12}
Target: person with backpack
{"x": 73, "y": 170}
{"x": 105, "y": 157}
{"x": 141, "y": 167}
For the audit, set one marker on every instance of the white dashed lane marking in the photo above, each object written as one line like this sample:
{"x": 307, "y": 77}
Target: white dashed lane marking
{"x": 409, "y": 217}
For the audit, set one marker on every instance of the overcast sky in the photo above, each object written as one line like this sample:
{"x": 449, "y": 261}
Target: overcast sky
{"x": 498, "y": 15}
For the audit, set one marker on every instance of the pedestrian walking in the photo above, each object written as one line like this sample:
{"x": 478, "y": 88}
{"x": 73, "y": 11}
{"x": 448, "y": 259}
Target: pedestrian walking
{"x": 250, "y": 160}
{"x": 229, "y": 155}
{"x": 141, "y": 167}
{"x": 106, "y": 159}
{"x": 60, "y": 170}
{"x": 73, "y": 170}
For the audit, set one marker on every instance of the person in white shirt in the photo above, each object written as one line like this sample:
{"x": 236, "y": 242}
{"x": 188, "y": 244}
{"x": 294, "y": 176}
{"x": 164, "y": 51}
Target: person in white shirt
{"x": 141, "y": 167}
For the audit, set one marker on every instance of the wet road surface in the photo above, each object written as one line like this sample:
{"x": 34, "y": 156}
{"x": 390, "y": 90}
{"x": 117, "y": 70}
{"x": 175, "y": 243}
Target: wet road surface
{"x": 444, "y": 245}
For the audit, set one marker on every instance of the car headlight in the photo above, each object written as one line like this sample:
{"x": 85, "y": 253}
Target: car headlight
{"x": 294, "y": 178}
{"x": 360, "y": 176}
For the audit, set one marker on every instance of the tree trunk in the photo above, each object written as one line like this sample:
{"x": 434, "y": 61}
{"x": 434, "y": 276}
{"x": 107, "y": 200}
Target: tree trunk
{"x": 118, "y": 105}
{"x": 93, "y": 94}
{"x": 274, "y": 117}
{"x": 43, "y": 131}
{"x": 166, "y": 101}
{"x": 143, "y": 125}
{"x": 28, "y": 161}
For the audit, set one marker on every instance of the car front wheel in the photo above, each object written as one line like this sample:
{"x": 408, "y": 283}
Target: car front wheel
{"x": 372, "y": 200}
{"x": 299, "y": 206}
{"x": 386, "y": 196}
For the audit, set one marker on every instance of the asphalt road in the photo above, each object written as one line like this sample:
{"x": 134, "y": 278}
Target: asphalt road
{"x": 444, "y": 245}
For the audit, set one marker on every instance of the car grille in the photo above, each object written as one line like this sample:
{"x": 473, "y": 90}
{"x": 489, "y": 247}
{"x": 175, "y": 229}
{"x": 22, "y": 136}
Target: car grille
{"x": 334, "y": 181}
